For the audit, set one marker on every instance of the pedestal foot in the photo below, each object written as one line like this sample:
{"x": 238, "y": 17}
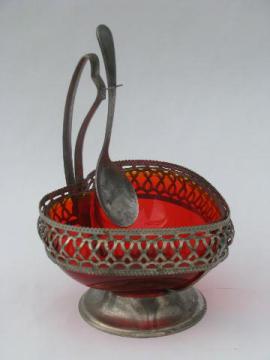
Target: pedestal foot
{"x": 142, "y": 317}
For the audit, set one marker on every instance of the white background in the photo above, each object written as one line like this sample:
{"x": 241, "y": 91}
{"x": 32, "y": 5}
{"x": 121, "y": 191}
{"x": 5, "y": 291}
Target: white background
{"x": 196, "y": 92}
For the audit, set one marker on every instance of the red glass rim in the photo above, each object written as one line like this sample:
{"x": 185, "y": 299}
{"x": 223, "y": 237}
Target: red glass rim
{"x": 73, "y": 192}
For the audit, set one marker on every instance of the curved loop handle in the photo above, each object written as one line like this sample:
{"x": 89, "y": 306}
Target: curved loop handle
{"x": 75, "y": 176}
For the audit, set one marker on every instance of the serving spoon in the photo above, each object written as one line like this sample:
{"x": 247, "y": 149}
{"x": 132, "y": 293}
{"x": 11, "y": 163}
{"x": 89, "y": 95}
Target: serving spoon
{"x": 115, "y": 193}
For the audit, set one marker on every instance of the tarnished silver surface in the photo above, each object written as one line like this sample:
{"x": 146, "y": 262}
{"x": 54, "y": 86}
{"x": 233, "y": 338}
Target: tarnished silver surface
{"x": 75, "y": 240}
{"x": 138, "y": 245}
{"x": 70, "y": 169}
{"x": 142, "y": 317}
{"x": 115, "y": 193}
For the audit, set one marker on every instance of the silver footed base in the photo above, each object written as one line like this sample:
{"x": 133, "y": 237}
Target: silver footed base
{"x": 142, "y": 317}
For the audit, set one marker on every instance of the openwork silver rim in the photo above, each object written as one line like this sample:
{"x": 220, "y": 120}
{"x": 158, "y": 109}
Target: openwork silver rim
{"x": 101, "y": 243}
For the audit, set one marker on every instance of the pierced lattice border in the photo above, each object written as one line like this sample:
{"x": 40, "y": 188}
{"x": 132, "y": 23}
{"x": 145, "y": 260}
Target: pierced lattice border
{"x": 220, "y": 239}
{"x": 220, "y": 234}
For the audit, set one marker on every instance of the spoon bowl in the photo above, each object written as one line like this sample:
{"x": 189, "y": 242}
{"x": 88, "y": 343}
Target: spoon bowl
{"x": 118, "y": 199}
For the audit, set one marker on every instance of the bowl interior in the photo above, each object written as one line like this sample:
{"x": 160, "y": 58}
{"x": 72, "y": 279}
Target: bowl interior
{"x": 166, "y": 199}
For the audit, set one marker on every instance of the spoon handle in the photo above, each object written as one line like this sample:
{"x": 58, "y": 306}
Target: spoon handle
{"x": 106, "y": 44}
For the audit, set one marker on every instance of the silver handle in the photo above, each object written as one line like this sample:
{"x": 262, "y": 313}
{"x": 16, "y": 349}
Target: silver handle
{"x": 73, "y": 177}
{"x": 106, "y": 44}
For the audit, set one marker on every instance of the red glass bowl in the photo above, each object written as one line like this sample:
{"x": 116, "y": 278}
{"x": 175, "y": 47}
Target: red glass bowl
{"x": 183, "y": 230}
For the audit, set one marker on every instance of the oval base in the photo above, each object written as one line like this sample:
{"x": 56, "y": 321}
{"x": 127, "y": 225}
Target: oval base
{"x": 142, "y": 316}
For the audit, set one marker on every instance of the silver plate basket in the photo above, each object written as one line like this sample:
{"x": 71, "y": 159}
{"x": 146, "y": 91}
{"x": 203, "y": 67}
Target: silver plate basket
{"x": 141, "y": 277}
